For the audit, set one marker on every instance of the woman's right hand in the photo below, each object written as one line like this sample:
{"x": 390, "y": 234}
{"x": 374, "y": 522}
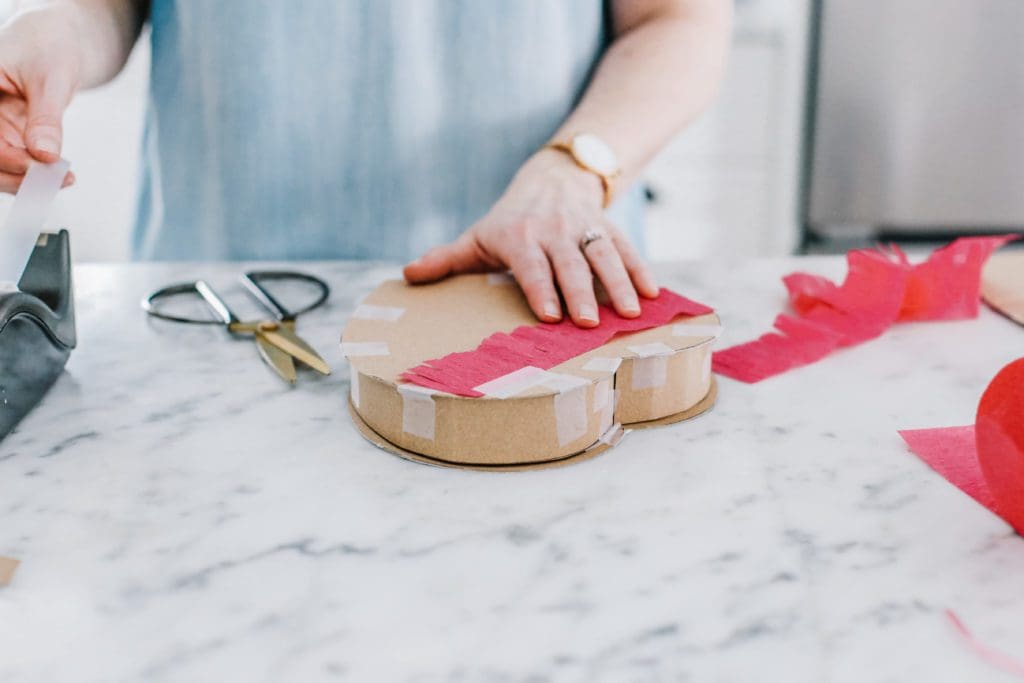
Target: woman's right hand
{"x": 40, "y": 62}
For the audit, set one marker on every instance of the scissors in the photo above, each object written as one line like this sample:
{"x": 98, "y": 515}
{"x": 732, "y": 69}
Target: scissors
{"x": 275, "y": 337}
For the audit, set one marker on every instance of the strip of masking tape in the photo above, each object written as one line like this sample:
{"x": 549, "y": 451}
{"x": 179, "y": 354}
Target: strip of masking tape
{"x": 500, "y": 279}
{"x": 652, "y": 349}
{"x": 684, "y": 330}
{"x": 650, "y": 369}
{"x": 602, "y": 394}
{"x": 28, "y": 213}
{"x": 418, "y": 410}
{"x": 371, "y": 312}
{"x": 353, "y": 383}
{"x": 512, "y": 383}
{"x": 571, "y": 414}
{"x": 705, "y": 368}
{"x": 602, "y": 364}
{"x": 526, "y": 378}
{"x": 612, "y": 435}
{"x": 354, "y": 349}
{"x": 607, "y": 418}
{"x": 561, "y": 382}
{"x": 650, "y": 372}
{"x": 8, "y": 565}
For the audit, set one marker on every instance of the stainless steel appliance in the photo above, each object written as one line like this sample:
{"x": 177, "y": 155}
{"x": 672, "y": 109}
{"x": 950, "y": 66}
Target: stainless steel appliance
{"x": 916, "y": 117}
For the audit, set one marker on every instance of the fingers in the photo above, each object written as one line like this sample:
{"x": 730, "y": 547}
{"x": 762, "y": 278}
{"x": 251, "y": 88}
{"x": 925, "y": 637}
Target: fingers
{"x": 639, "y": 272}
{"x": 531, "y": 269}
{"x": 575, "y": 281}
{"x": 461, "y": 256}
{"x": 46, "y": 103}
{"x": 13, "y": 160}
{"x": 606, "y": 262}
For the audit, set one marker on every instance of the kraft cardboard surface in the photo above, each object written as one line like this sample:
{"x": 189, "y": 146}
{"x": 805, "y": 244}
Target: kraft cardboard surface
{"x": 1002, "y": 284}
{"x": 593, "y": 451}
{"x": 554, "y": 415}
{"x": 8, "y": 566}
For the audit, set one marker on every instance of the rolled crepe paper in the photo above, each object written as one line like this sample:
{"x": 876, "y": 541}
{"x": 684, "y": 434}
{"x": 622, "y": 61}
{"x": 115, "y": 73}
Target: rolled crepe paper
{"x": 881, "y": 288}
{"x": 984, "y": 460}
{"x": 543, "y": 345}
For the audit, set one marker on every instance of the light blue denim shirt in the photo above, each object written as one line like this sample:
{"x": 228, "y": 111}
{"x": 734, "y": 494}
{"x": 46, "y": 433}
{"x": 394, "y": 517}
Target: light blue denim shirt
{"x": 367, "y": 129}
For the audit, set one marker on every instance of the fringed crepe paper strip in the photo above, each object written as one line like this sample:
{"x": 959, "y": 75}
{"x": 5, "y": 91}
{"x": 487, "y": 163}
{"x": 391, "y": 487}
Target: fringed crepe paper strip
{"x": 881, "y": 287}
{"x": 543, "y": 345}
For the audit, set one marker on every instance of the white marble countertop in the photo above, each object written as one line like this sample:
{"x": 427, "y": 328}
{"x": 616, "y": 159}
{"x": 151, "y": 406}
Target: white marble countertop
{"x": 182, "y": 515}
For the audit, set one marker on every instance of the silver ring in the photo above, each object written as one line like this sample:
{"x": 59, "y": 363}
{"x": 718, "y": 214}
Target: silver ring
{"x": 589, "y": 236}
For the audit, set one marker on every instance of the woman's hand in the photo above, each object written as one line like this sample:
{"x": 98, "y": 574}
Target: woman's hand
{"x": 535, "y": 230}
{"x": 39, "y": 73}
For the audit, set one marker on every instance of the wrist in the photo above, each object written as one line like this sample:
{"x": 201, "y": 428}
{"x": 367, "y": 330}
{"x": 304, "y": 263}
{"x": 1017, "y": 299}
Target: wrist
{"x": 558, "y": 169}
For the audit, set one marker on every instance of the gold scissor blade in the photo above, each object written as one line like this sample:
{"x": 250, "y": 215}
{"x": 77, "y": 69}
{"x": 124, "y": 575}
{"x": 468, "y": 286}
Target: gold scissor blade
{"x": 277, "y": 359}
{"x": 291, "y": 343}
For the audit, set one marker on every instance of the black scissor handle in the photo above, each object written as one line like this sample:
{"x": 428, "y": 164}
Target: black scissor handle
{"x": 253, "y": 281}
{"x": 224, "y": 314}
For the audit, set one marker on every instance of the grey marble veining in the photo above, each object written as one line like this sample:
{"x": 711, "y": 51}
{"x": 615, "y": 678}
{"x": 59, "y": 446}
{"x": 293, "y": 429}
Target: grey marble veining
{"x": 182, "y": 515}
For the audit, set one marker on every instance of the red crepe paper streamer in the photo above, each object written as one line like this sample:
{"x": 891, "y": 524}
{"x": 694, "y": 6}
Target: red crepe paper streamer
{"x": 544, "y": 345}
{"x": 990, "y": 655}
{"x": 986, "y": 460}
{"x": 881, "y": 288}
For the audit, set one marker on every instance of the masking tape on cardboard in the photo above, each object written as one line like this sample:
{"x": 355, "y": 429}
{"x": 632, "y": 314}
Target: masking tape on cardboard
{"x": 353, "y": 349}
{"x": 652, "y": 349}
{"x": 607, "y": 418}
{"x": 418, "y": 410}
{"x": 371, "y": 312}
{"x": 561, "y": 382}
{"x": 684, "y": 330}
{"x": 353, "y": 383}
{"x": 602, "y": 394}
{"x": 8, "y": 565}
{"x": 613, "y": 435}
{"x": 650, "y": 372}
{"x": 512, "y": 383}
{"x": 571, "y": 414}
{"x": 500, "y": 279}
{"x": 705, "y": 368}
{"x": 650, "y": 368}
{"x": 602, "y": 364}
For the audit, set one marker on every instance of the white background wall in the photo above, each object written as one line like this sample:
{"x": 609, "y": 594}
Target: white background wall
{"x": 726, "y": 187}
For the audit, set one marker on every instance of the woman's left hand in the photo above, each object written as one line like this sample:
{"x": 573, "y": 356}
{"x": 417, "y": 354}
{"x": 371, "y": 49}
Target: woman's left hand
{"x": 535, "y": 230}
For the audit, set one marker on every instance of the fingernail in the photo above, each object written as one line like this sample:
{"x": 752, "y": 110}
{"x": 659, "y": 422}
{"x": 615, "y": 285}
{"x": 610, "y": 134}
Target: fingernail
{"x": 631, "y": 305}
{"x": 552, "y": 310}
{"x": 46, "y": 144}
{"x": 589, "y": 313}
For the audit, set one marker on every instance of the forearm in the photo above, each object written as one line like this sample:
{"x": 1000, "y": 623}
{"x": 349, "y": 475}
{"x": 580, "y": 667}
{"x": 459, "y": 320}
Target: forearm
{"x": 659, "y": 73}
{"x": 107, "y": 30}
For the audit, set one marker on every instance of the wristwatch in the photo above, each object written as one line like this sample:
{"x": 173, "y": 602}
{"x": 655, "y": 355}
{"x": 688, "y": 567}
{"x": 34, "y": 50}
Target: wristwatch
{"x": 593, "y": 154}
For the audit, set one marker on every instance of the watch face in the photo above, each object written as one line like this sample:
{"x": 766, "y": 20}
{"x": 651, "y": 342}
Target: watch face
{"x": 592, "y": 152}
